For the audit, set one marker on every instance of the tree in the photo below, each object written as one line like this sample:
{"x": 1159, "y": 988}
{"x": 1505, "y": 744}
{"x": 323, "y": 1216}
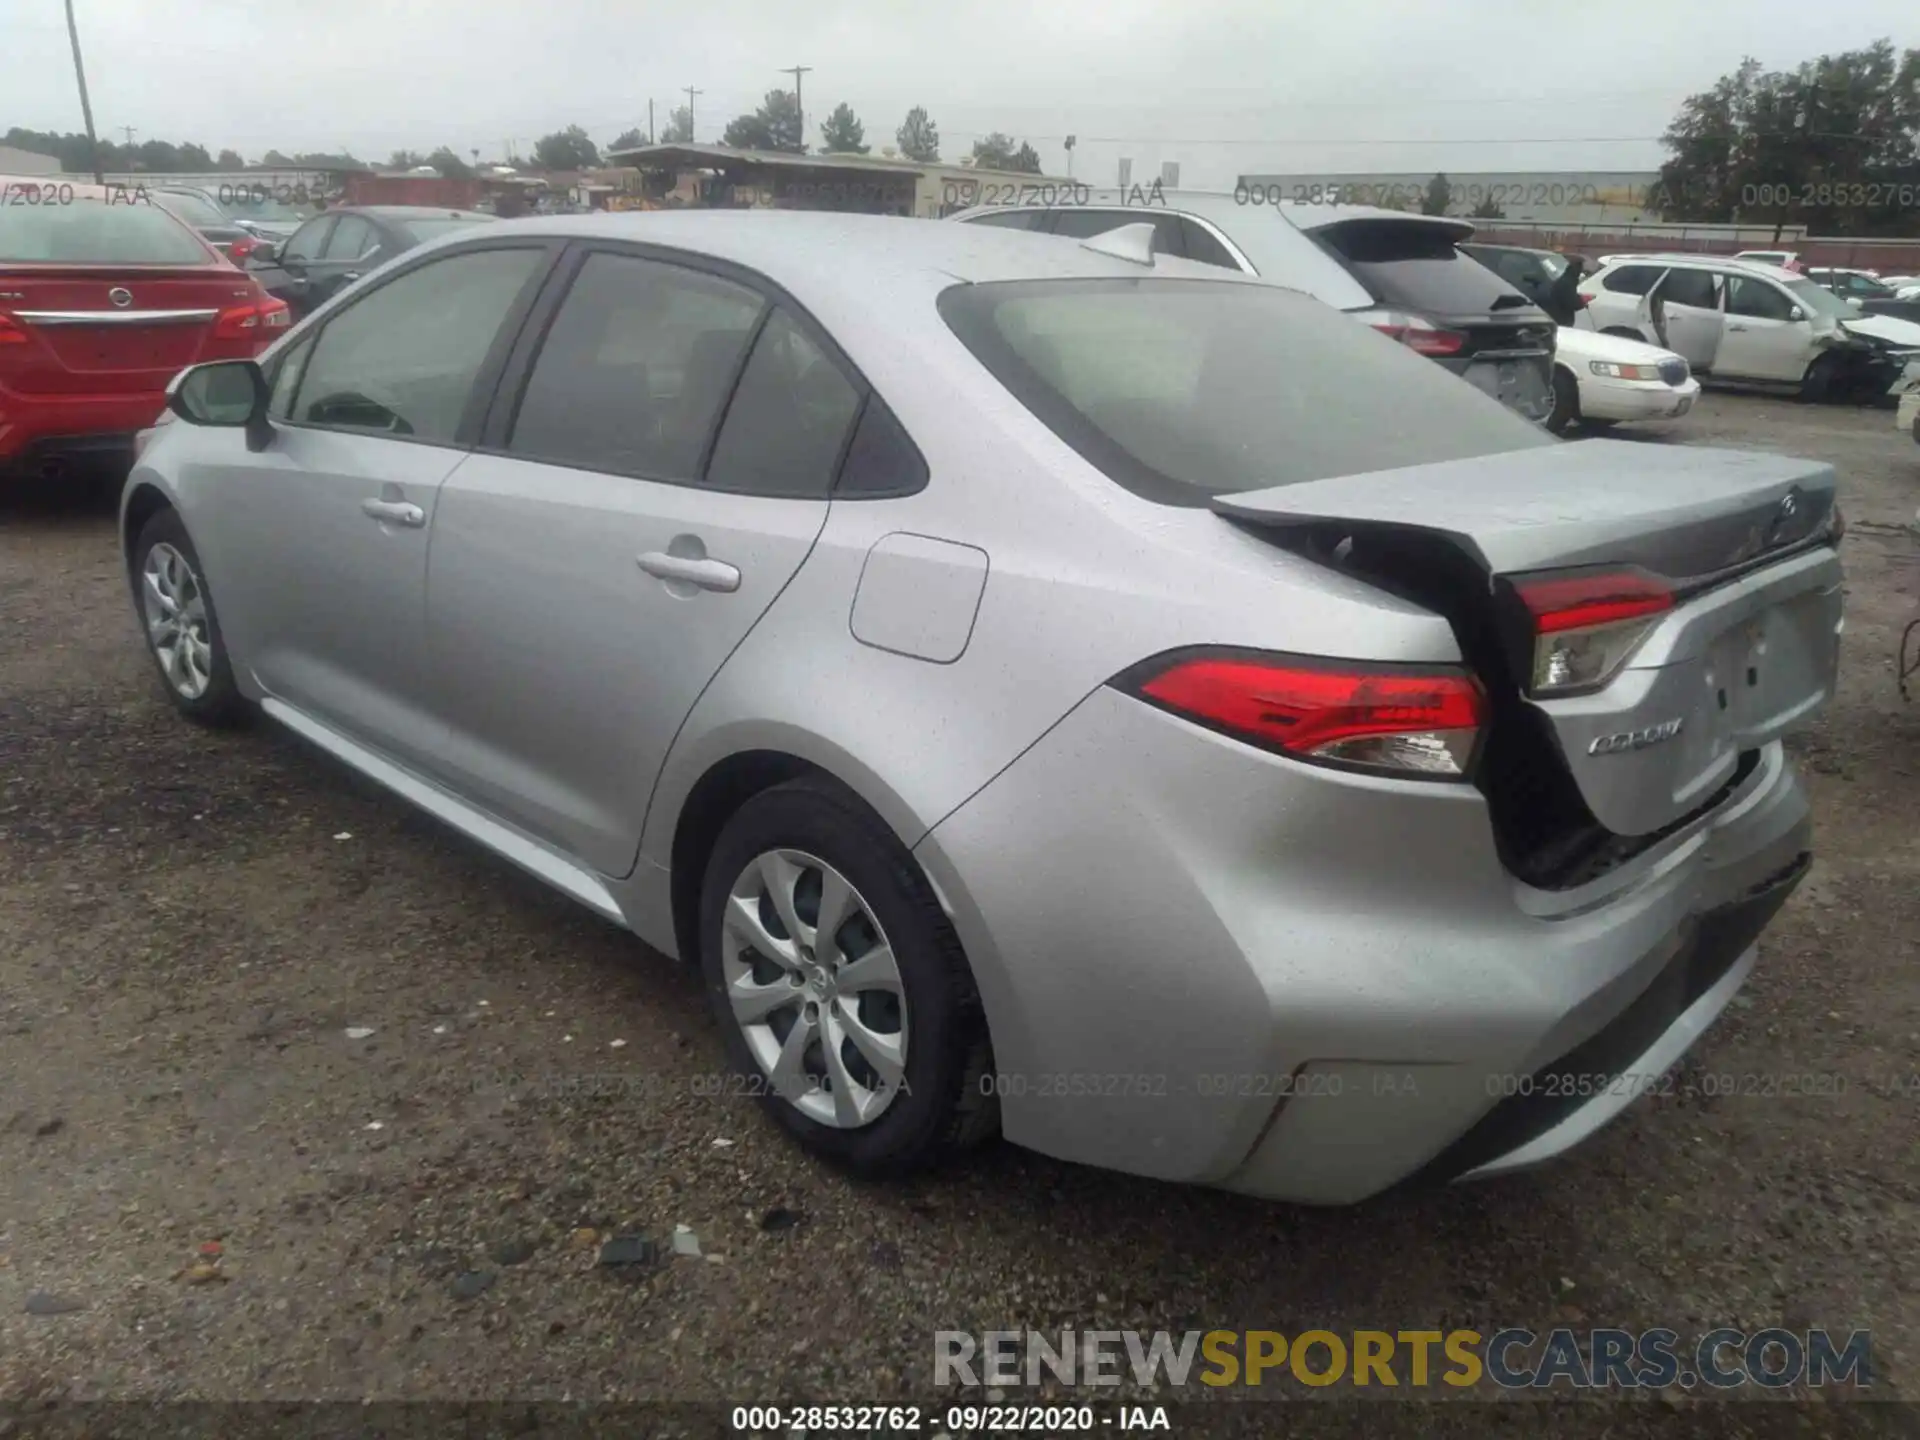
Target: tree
{"x": 567, "y": 149}
{"x": 679, "y": 129}
{"x": 774, "y": 126}
{"x": 404, "y": 160}
{"x": 994, "y": 152}
{"x": 278, "y": 161}
{"x": 1819, "y": 145}
{"x": 842, "y": 133}
{"x": 1439, "y": 195}
{"x": 449, "y": 164}
{"x": 1487, "y": 209}
{"x": 230, "y": 160}
{"x": 629, "y": 139}
{"x": 1026, "y": 159}
{"x": 919, "y": 137}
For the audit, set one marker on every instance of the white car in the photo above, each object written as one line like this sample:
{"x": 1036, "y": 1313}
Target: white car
{"x": 1785, "y": 259}
{"x": 1752, "y": 324}
{"x": 1600, "y": 379}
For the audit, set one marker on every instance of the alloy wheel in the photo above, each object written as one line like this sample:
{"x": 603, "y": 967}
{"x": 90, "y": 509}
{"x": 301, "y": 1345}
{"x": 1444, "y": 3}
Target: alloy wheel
{"x": 176, "y": 614}
{"x": 814, "y": 987}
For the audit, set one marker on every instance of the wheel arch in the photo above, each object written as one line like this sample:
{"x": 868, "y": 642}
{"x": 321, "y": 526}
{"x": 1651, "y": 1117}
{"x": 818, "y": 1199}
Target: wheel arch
{"x": 691, "y": 810}
{"x": 144, "y": 501}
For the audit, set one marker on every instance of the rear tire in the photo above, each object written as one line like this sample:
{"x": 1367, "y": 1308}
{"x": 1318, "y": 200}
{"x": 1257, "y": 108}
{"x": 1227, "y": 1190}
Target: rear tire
{"x": 181, "y": 627}
{"x": 1566, "y": 401}
{"x": 807, "y": 838}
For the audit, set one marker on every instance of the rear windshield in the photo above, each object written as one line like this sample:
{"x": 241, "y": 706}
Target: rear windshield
{"x": 1179, "y": 390}
{"x": 1420, "y": 267}
{"x": 421, "y": 231}
{"x": 94, "y": 232}
{"x": 191, "y": 208}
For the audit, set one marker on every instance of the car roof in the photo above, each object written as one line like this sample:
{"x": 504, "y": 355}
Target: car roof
{"x": 855, "y": 249}
{"x": 1319, "y": 217}
{"x": 1718, "y": 262}
{"x": 408, "y": 212}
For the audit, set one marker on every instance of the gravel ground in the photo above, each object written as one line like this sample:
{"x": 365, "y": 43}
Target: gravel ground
{"x": 195, "y": 930}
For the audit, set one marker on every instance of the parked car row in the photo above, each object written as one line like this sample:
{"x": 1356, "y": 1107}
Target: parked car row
{"x": 102, "y": 302}
{"x": 1320, "y": 716}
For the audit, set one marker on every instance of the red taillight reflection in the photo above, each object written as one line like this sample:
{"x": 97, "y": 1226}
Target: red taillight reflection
{"x": 1317, "y": 709}
{"x": 10, "y": 331}
{"x": 248, "y": 322}
{"x": 1575, "y": 602}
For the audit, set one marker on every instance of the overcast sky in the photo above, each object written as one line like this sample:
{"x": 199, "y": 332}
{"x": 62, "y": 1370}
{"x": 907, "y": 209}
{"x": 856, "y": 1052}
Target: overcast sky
{"x": 1224, "y": 88}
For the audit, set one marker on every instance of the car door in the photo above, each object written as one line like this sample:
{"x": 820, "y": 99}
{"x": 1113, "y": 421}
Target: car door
{"x": 650, "y": 480}
{"x": 347, "y": 255}
{"x": 320, "y": 539}
{"x": 1767, "y": 336}
{"x": 285, "y": 274}
{"x": 1683, "y": 310}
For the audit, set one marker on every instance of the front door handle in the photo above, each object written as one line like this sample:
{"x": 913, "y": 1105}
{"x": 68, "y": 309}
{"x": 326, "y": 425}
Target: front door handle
{"x": 395, "y": 512}
{"x": 1738, "y": 329}
{"x": 707, "y": 574}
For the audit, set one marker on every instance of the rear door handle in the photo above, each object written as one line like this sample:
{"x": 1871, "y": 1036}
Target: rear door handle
{"x": 707, "y": 574}
{"x": 1740, "y": 328}
{"x": 395, "y": 512}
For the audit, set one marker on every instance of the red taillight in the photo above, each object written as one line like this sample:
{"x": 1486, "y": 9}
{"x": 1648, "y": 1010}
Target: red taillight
{"x": 10, "y": 331}
{"x": 243, "y": 247}
{"x": 1418, "y": 335}
{"x": 1586, "y": 626}
{"x": 1406, "y": 720}
{"x": 247, "y": 322}
{"x": 1577, "y": 601}
{"x": 1582, "y": 299}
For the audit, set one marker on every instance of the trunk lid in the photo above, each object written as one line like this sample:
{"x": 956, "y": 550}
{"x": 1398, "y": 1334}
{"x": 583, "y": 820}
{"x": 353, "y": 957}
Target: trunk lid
{"x": 1749, "y": 648}
{"x": 118, "y": 330}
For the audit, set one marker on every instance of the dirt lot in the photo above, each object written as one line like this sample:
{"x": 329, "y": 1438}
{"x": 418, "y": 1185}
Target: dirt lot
{"x": 192, "y": 925}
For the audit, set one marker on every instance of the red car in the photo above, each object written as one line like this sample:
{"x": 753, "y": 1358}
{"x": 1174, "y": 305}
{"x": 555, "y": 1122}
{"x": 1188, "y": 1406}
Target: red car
{"x": 104, "y": 298}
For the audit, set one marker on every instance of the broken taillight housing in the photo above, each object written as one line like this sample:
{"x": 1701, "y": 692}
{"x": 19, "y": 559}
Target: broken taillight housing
{"x": 1415, "y": 721}
{"x": 1586, "y": 625}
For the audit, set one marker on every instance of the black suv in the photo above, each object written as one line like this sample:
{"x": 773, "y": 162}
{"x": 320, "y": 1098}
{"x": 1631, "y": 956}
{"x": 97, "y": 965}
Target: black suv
{"x": 1441, "y": 301}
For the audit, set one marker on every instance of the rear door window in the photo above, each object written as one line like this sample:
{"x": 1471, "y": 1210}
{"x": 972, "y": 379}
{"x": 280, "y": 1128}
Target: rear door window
{"x": 788, "y": 421}
{"x": 1698, "y": 289}
{"x": 1418, "y": 266}
{"x": 1631, "y": 279}
{"x": 635, "y": 369}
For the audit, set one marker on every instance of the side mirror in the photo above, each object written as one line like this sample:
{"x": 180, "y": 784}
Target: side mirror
{"x": 1855, "y": 302}
{"x": 224, "y": 394}
{"x": 1796, "y": 313}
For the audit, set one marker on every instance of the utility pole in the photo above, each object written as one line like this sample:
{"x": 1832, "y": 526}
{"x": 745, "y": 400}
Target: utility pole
{"x": 691, "y": 92}
{"x": 650, "y": 130}
{"x": 127, "y": 130}
{"x": 86, "y": 105}
{"x": 796, "y": 71}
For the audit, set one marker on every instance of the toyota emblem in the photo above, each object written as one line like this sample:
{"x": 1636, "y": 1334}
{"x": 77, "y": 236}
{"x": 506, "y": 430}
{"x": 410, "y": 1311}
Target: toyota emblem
{"x": 120, "y": 296}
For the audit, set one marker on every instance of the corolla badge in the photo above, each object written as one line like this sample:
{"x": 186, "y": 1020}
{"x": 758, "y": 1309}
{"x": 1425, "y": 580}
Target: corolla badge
{"x": 1636, "y": 739}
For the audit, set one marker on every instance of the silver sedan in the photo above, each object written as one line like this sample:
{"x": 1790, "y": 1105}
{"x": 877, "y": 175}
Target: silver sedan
{"x": 1043, "y": 686}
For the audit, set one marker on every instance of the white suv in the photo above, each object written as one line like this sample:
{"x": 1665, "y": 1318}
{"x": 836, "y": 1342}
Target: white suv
{"x": 1752, "y": 324}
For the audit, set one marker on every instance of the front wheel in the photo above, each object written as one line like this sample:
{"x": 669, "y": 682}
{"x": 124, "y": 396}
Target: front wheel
{"x": 1566, "y": 402}
{"x": 182, "y": 630}
{"x": 1821, "y": 378}
{"x": 840, "y": 986}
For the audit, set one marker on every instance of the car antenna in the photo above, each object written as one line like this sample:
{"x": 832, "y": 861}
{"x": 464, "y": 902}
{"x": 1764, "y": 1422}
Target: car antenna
{"x": 1132, "y": 242}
